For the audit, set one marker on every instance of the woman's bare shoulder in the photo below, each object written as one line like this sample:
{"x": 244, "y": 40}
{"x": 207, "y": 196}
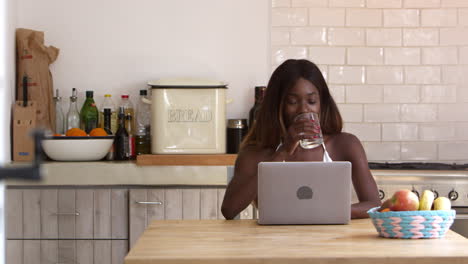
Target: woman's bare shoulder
{"x": 345, "y": 139}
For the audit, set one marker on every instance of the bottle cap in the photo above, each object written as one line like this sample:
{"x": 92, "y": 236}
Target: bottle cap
{"x": 237, "y": 123}
{"x": 124, "y": 96}
{"x": 89, "y": 94}
{"x": 107, "y": 95}
{"x": 143, "y": 92}
{"x": 57, "y": 96}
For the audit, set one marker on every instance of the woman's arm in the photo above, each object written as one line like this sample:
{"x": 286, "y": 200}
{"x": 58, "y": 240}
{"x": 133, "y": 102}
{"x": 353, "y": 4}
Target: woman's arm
{"x": 242, "y": 189}
{"x": 363, "y": 181}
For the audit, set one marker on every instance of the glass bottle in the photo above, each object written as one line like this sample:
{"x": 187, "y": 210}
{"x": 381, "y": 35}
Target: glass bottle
{"x": 259, "y": 94}
{"x": 107, "y": 127}
{"x": 59, "y": 117}
{"x": 89, "y": 113}
{"x": 131, "y": 136}
{"x": 129, "y": 110}
{"x": 142, "y": 133}
{"x": 73, "y": 115}
{"x": 121, "y": 138}
{"x": 108, "y": 104}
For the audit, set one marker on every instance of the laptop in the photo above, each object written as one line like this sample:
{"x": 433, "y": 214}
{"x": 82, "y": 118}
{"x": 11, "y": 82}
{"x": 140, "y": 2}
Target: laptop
{"x": 304, "y": 193}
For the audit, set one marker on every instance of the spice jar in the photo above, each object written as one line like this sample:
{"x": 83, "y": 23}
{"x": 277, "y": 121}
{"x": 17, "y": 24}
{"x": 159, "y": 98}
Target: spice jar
{"x": 236, "y": 131}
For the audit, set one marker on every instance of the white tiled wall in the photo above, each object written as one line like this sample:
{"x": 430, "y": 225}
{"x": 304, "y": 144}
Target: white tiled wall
{"x": 398, "y": 70}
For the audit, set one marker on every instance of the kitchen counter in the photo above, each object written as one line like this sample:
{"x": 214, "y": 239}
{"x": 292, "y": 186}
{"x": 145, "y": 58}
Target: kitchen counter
{"x": 129, "y": 173}
{"x": 125, "y": 173}
{"x": 243, "y": 241}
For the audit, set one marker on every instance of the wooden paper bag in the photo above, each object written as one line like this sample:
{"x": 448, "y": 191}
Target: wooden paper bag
{"x": 33, "y": 60}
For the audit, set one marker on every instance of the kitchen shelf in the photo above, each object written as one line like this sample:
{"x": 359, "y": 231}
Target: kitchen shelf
{"x": 187, "y": 160}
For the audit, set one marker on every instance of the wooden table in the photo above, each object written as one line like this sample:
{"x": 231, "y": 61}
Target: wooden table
{"x": 243, "y": 241}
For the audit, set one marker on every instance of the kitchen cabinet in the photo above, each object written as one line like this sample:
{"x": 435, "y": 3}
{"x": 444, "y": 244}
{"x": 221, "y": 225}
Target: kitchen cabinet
{"x": 97, "y": 225}
{"x": 175, "y": 203}
{"x": 66, "y": 225}
{"x": 66, "y": 251}
{"x": 66, "y": 213}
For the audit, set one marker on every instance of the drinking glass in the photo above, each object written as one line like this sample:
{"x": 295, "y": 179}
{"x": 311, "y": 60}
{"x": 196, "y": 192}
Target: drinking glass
{"x": 318, "y": 140}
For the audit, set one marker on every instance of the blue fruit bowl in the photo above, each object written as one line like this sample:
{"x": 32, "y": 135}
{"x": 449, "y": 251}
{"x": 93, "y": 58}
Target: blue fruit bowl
{"x": 412, "y": 224}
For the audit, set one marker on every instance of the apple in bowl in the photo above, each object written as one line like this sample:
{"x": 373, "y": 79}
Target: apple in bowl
{"x": 402, "y": 200}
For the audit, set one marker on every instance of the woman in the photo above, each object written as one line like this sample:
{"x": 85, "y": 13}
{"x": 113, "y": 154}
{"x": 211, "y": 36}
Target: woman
{"x": 295, "y": 87}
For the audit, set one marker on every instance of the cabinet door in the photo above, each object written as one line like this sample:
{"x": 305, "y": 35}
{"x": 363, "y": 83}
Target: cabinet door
{"x": 191, "y": 203}
{"x": 49, "y": 252}
{"x": 119, "y": 214}
{"x": 66, "y": 213}
{"x": 14, "y": 251}
{"x": 147, "y": 205}
{"x": 14, "y": 214}
{"x": 221, "y": 192}
{"x": 85, "y": 220}
{"x": 31, "y": 214}
{"x": 102, "y": 213}
{"x": 209, "y": 203}
{"x": 66, "y": 251}
{"x": 144, "y": 206}
{"x": 173, "y": 204}
{"x": 31, "y": 251}
{"x": 49, "y": 210}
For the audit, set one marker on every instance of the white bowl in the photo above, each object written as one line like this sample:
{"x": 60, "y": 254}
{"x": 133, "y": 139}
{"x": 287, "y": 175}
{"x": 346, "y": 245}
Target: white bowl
{"x": 85, "y": 148}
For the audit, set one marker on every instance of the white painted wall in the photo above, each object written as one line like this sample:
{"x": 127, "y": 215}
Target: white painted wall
{"x": 7, "y": 75}
{"x": 116, "y": 46}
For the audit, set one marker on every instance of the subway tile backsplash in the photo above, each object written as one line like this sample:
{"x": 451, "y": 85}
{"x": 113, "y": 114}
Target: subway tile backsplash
{"x": 398, "y": 70}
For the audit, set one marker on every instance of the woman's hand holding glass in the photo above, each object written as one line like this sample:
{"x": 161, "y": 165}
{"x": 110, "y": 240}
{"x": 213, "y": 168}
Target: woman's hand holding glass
{"x": 304, "y": 131}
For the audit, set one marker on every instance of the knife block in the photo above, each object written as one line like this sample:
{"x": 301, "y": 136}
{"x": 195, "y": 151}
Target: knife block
{"x": 24, "y": 121}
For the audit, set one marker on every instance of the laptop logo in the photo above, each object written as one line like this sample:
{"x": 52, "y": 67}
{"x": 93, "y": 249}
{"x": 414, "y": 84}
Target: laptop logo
{"x": 304, "y": 192}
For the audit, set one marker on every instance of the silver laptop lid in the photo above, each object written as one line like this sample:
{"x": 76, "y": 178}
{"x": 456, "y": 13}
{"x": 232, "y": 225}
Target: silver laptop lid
{"x": 304, "y": 192}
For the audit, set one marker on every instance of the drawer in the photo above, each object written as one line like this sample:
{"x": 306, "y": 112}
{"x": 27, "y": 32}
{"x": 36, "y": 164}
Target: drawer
{"x": 66, "y": 251}
{"x": 66, "y": 213}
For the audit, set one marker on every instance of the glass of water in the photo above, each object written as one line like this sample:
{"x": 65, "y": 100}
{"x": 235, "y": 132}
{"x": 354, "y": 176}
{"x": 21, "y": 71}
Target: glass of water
{"x": 318, "y": 140}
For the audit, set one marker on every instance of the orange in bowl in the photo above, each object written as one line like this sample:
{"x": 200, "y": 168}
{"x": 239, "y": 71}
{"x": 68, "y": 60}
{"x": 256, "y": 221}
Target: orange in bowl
{"x": 75, "y": 132}
{"x": 98, "y": 132}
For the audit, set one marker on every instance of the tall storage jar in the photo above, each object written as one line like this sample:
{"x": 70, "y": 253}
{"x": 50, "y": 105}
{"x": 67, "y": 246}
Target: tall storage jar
{"x": 188, "y": 116}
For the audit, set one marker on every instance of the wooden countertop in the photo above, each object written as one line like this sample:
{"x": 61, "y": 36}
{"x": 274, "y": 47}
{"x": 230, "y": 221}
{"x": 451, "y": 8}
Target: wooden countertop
{"x": 187, "y": 159}
{"x": 243, "y": 241}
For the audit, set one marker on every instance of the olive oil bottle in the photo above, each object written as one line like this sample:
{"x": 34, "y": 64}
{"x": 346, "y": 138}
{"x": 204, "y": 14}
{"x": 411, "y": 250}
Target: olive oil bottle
{"x": 89, "y": 113}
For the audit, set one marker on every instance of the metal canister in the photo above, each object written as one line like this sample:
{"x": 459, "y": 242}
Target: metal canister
{"x": 236, "y": 131}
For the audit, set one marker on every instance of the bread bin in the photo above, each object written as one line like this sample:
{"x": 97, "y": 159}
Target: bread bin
{"x": 188, "y": 116}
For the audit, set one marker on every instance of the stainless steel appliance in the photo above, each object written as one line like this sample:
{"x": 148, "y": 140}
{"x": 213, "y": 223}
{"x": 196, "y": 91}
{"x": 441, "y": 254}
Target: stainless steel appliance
{"x": 436, "y": 177}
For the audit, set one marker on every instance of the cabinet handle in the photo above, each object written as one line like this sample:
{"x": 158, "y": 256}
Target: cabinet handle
{"x": 75, "y": 213}
{"x": 154, "y": 203}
